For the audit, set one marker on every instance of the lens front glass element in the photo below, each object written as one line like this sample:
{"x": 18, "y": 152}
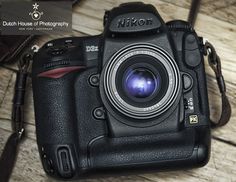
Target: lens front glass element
{"x": 140, "y": 83}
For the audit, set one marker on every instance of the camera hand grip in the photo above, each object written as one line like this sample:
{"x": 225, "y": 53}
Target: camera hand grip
{"x": 54, "y": 109}
{"x": 55, "y": 122}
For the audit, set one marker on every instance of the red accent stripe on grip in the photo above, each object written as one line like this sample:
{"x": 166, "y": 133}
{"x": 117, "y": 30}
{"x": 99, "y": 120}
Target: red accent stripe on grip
{"x": 59, "y": 72}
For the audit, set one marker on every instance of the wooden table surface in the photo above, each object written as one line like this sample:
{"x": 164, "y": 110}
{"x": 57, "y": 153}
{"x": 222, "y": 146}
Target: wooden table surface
{"x": 216, "y": 22}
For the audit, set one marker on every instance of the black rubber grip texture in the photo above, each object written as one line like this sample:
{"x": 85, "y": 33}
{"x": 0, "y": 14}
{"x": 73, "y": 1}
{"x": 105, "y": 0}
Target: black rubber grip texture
{"x": 55, "y": 109}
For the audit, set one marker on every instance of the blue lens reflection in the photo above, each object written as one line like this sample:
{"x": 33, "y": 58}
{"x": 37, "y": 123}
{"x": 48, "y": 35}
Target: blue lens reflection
{"x": 141, "y": 83}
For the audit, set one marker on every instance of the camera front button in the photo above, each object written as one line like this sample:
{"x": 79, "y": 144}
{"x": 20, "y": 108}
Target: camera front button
{"x": 192, "y": 58}
{"x": 99, "y": 113}
{"x": 187, "y": 82}
{"x": 94, "y": 80}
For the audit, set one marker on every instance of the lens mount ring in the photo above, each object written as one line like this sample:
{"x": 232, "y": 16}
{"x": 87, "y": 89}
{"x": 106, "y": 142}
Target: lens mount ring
{"x": 110, "y": 87}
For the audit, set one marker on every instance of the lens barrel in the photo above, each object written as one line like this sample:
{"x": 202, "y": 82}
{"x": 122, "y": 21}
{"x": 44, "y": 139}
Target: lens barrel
{"x": 141, "y": 81}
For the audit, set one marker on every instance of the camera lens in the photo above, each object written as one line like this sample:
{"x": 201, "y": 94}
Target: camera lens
{"x": 140, "y": 83}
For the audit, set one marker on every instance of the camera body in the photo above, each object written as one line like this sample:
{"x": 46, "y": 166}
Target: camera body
{"x": 131, "y": 99}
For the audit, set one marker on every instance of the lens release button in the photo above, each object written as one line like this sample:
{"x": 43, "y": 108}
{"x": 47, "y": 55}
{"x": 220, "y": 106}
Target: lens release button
{"x": 187, "y": 82}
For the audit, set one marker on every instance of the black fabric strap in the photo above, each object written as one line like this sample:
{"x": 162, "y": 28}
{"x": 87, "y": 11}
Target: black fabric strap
{"x": 8, "y": 157}
{"x": 9, "y": 154}
{"x": 215, "y": 63}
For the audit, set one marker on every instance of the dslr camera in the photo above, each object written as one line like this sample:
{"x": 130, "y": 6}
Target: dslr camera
{"x": 133, "y": 98}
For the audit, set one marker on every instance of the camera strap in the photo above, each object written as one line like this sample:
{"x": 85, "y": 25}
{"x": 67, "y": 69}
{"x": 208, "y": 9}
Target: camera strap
{"x": 9, "y": 154}
{"x": 215, "y": 63}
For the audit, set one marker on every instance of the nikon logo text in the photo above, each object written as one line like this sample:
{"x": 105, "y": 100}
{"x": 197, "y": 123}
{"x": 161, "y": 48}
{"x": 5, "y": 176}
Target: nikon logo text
{"x": 133, "y": 22}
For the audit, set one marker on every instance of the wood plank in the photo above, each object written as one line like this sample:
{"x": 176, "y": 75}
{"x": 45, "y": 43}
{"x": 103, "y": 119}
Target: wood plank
{"x": 222, "y": 10}
{"x": 5, "y": 76}
{"x": 220, "y": 168}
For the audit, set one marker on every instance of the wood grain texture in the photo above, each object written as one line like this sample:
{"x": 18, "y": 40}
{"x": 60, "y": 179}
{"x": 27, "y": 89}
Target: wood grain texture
{"x": 87, "y": 20}
{"x": 222, "y": 10}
